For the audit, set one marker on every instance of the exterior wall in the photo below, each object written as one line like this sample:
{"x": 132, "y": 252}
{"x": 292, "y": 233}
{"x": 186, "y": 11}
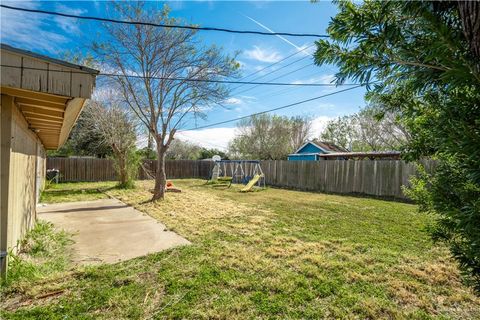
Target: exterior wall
{"x": 300, "y": 157}
{"x": 22, "y": 161}
{"x": 41, "y": 170}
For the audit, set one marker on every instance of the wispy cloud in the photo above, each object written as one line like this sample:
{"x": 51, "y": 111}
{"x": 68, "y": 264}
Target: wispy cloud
{"x": 326, "y": 79}
{"x": 233, "y": 101}
{"x": 30, "y": 31}
{"x": 263, "y": 55}
{"x": 68, "y": 25}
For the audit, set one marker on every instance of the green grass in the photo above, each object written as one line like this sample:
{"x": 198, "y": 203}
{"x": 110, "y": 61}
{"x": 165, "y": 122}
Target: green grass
{"x": 268, "y": 254}
{"x": 44, "y": 252}
{"x": 76, "y": 191}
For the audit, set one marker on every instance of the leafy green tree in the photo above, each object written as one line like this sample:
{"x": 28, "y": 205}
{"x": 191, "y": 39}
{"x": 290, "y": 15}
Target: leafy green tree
{"x": 183, "y": 150}
{"x": 83, "y": 141}
{"x": 425, "y": 59}
{"x": 341, "y": 132}
{"x": 147, "y": 153}
{"x": 209, "y": 153}
{"x": 371, "y": 129}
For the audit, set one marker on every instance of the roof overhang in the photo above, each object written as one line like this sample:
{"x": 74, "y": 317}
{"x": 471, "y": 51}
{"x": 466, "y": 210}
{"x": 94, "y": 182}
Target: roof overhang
{"x": 50, "y": 93}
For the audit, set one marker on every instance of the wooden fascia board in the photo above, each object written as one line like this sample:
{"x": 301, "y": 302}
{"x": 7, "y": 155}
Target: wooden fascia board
{"x": 72, "y": 112}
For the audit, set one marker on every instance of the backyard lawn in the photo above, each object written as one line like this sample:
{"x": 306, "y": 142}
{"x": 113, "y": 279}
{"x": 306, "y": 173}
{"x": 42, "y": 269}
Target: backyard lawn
{"x": 267, "y": 254}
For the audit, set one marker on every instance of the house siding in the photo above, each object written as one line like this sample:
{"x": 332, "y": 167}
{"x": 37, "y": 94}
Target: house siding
{"x": 301, "y": 157}
{"x": 308, "y": 152}
{"x": 22, "y": 166}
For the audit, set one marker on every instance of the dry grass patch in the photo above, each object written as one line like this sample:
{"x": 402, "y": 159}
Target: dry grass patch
{"x": 196, "y": 211}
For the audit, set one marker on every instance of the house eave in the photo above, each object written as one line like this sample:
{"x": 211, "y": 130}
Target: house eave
{"x": 50, "y": 93}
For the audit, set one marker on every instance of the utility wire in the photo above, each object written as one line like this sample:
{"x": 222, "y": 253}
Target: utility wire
{"x": 267, "y": 74}
{"x": 67, "y": 15}
{"x": 273, "y": 109}
{"x": 284, "y": 75}
{"x": 287, "y": 90}
{"x": 280, "y": 61}
{"x": 189, "y": 79}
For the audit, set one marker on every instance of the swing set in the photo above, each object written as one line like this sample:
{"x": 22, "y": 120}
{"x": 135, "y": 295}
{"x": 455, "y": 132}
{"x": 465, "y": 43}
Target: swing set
{"x": 239, "y": 171}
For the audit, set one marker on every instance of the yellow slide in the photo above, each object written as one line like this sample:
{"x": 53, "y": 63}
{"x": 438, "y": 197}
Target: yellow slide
{"x": 251, "y": 183}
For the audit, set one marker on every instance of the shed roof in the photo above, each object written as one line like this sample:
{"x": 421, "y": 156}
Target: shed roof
{"x": 322, "y": 145}
{"x": 329, "y": 146}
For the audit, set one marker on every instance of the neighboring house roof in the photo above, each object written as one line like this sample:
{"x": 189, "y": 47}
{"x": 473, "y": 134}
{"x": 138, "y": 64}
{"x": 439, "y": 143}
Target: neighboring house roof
{"x": 329, "y": 146}
{"x": 49, "y": 92}
{"x": 324, "y": 146}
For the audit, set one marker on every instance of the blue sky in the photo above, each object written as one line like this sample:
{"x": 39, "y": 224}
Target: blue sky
{"x": 54, "y": 35}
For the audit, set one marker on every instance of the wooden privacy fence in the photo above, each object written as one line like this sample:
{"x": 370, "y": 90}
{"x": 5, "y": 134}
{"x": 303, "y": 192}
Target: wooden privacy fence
{"x": 92, "y": 169}
{"x": 383, "y": 178}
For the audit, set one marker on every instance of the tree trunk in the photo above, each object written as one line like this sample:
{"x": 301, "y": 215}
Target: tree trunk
{"x": 121, "y": 163}
{"x": 160, "y": 176}
{"x": 123, "y": 171}
{"x": 150, "y": 141}
{"x": 470, "y": 16}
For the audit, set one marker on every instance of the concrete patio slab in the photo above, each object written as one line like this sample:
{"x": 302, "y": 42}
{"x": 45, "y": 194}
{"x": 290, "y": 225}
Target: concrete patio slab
{"x": 109, "y": 231}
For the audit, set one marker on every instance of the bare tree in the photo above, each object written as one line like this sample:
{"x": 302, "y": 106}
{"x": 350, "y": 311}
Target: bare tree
{"x": 160, "y": 68}
{"x": 113, "y": 123}
{"x": 269, "y": 136}
{"x": 301, "y": 129}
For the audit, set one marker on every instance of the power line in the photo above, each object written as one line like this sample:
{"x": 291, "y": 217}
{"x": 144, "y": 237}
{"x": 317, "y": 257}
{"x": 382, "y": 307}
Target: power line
{"x": 276, "y": 70}
{"x": 280, "y": 61}
{"x": 265, "y": 75}
{"x": 287, "y": 90}
{"x": 284, "y": 75}
{"x": 67, "y": 15}
{"x": 189, "y": 79}
{"x": 273, "y": 109}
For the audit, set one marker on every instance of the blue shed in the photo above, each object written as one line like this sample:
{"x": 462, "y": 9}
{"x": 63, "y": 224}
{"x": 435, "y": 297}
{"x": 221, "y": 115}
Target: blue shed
{"x": 312, "y": 149}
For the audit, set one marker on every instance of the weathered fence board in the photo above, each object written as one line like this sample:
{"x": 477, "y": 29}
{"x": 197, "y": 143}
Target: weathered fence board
{"x": 383, "y": 178}
{"x": 91, "y": 169}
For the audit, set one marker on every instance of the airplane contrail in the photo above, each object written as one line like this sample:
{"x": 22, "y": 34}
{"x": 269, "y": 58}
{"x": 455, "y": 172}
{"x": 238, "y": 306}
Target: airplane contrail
{"x": 270, "y": 30}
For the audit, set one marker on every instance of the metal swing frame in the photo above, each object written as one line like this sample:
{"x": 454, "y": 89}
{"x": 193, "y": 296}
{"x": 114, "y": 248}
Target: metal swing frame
{"x": 238, "y": 171}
